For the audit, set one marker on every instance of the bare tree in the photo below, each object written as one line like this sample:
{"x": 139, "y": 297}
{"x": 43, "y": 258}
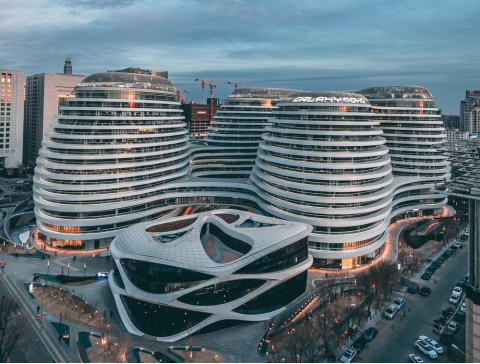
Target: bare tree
{"x": 9, "y": 331}
{"x": 312, "y": 337}
{"x": 409, "y": 261}
{"x": 293, "y": 343}
{"x": 367, "y": 283}
{"x": 385, "y": 274}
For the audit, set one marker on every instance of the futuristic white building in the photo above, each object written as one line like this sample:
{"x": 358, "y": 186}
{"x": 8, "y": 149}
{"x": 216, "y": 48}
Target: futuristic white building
{"x": 231, "y": 144}
{"x": 323, "y": 162}
{"x": 178, "y": 275}
{"x": 414, "y": 132}
{"x": 121, "y": 137}
{"x": 119, "y": 155}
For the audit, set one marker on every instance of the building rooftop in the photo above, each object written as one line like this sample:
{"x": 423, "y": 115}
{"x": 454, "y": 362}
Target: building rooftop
{"x": 127, "y": 80}
{"x": 396, "y": 92}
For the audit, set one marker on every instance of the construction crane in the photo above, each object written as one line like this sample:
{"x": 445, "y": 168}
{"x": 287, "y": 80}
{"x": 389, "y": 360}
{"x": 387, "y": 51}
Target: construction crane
{"x": 203, "y": 86}
{"x": 238, "y": 83}
{"x": 179, "y": 97}
{"x": 212, "y": 86}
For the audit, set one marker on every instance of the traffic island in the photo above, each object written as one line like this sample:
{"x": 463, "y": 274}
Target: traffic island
{"x": 66, "y": 279}
{"x": 63, "y": 332}
{"x": 93, "y": 348}
{"x": 60, "y": 301}
{"x": 195, "y": 354}
{"x": 144, "y": 356}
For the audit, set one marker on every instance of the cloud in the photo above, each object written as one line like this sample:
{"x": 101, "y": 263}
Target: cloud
{"x": 341, "y": 44}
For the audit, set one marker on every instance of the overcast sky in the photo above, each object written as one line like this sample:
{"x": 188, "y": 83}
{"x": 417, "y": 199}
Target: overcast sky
{"x": 314, "y": 45}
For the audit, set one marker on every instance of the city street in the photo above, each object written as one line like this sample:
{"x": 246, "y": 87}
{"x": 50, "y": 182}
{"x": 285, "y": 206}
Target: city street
{"x": 29, "y": 347}
{"x": 395, "y": 344}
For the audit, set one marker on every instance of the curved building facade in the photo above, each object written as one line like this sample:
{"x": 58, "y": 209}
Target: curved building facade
{"x": 414, "y": 133}
{"x": 232, "y": 139}
{"x": 323, "y": 162}
{"x": 121, "y": 137}
{"x": 179, "y": 275}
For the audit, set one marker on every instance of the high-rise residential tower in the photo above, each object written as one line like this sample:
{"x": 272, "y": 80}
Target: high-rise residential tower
{"x": 11, "y": 117}
{"x": 45, "y": 92}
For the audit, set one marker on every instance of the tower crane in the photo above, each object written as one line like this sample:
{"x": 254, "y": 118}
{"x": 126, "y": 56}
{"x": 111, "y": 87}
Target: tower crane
{"x": 203, "y": 86}
{"x": 212, "y": 86}
{"x": 238, "y": 83}
{"x": 179, "y": 97}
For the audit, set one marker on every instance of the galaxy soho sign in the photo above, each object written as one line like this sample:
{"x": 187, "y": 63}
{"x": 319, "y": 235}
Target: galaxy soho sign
{"x": 332, "y": 99}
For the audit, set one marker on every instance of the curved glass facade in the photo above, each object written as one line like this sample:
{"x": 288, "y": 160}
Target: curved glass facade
{"x": 159, "y": 320}
{"x": 277, "y": 297}
{"x": 223, "y": 292}
{"x": 279, "y": 260}
{"x": 161, "y": 278}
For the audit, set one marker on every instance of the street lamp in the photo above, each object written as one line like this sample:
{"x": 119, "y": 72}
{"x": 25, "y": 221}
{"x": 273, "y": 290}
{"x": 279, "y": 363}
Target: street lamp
{"x": 48, "y": 267}
{"x": 68, "y": 269}
{"x": 84, "y": 267}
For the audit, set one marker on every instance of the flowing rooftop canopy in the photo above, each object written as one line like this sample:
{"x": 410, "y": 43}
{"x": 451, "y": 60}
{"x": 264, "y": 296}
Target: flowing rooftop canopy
{"x": 397, "y": 92}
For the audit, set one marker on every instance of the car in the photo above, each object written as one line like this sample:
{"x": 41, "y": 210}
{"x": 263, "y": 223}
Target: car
{"x": 454, "y": 299}
{"x": 348, "y": 356}
{"x": 415, "y": 359}
{"x": 20, "y": 181}
{"x": 446, "y": 337}
{"x": 453, "y": 248}
{"x": 457, "y": 290}
{"x": 457, "y": 246}
{"x": 359, "y": 344}
{"x": 411, "y": 290}
{"x": 460, "y": 317}
{"x": 426, "y": 349}
{"x": 426, "y": 276}
{"x": 463, "y": 237}
{"x": 467, "y": 234}
{"x": 436, "y": 346}
{"x": 464, "y": 307}
{"x": 425, "y": 291}
{"x": 435, "y": 265}
{"x": 446, "y": 255}
{"x": 390, "y": 312}
{"x": 438, "y": 325}
{"x": 453, "y": 326}
{"x": 430, "y": 270}
{"x": 370, "y": 334}
{"x": 461, "y": 284}
{"x": 399, "y": 302}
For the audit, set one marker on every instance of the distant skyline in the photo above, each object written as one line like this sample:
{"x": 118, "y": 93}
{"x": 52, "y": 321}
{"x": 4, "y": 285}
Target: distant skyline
{"x": 312, "y": 45}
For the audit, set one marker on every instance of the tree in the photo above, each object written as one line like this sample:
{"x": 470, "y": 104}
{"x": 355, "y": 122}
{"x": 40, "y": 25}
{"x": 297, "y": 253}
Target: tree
{"x": 367, "y": 283}
{"x": 325, "y": 321}
{"x": 312, "y": 337}
{"x": 385, "y": 274}
{"x": 9, "y": 331}
{"x": 293, "y": 343}
{"x": 409, "y": 261}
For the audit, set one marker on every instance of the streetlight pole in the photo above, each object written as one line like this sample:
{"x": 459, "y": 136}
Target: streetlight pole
{"x": 48, "y": 267}
{"x": 84, "y": 267}
{"x": 68, "y": 269}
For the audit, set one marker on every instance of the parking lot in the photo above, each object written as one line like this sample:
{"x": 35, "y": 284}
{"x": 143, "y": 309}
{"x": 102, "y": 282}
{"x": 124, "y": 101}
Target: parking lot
{"x": 396, "y": 338}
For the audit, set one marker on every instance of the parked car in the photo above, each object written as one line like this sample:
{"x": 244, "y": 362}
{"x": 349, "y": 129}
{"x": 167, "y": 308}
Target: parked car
{"x": 436, "y": 346}
{"x": 359, "y": 344}
{"x": 348, "y": 355}
{"x": 425, "y": 291}
{"x": 461, "y": 284}
{"x": 453, "y": 326}
{"x": 370, "y": 334}
{"x": 454, "y": 299}
{"x": 435, "y": 265}
{"x": 430, "y": 270}
{"x": 457, "y": 246}
{"x": 464, "y": 307}
{"x": 426, "y": 276}
{"x": 446, "y": 337}
{"x": 457, "y": 290}
{"x": 415, "y": 359}
{"x": 426, "y": 349}
{"x": 460, "y": 317}
{"x": 399, "y": 302}
{"x": 411, "y": 290}
{"x": 390, "y": 312}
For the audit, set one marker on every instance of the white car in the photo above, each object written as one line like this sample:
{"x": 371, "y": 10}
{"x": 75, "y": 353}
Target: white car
{"x": 453, "y": 326}
{"x": 390, "y": 312}
{"x": 464, "y": 307}
{"x": 348, "y": 356}
{"x": 399, "y": 302}
{"x": 454, "y": 299}
{"x": 415, "y": 359}
{"x": 426, "y": 349}
{"x": 457, "y": 290}
{"x": 436, "y": 346}
{"x": 457, "y": 245}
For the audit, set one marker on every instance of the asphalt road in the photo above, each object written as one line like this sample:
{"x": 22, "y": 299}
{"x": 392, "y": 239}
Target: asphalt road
{"x": 29, "y": 347}
{"x": 395, "y": 344}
